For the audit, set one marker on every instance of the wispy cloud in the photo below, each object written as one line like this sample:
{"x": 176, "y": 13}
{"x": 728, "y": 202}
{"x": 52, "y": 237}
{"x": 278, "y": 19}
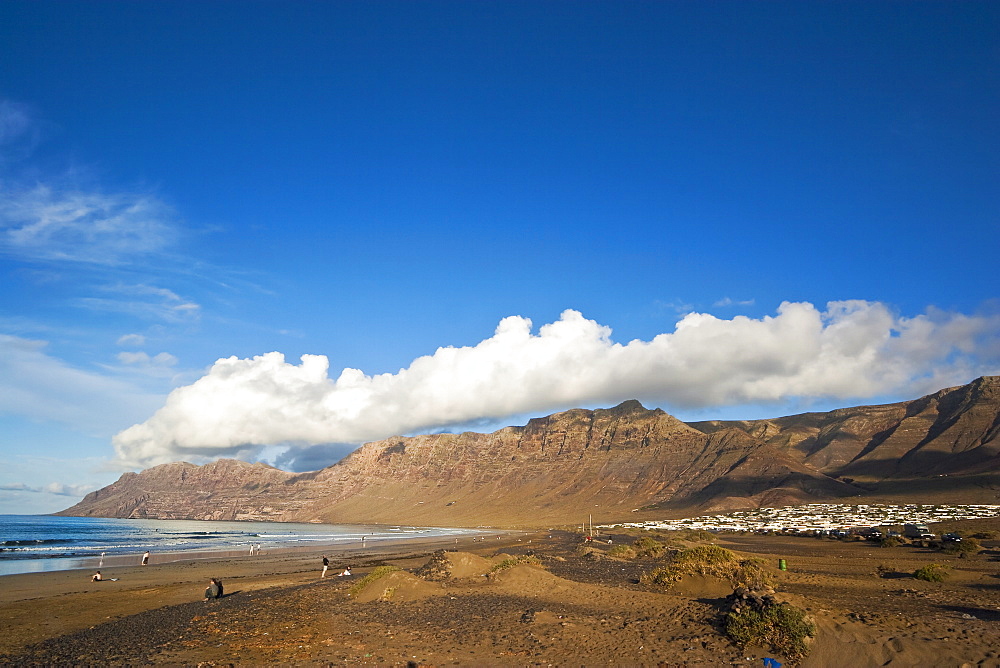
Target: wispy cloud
{"x": 18, "y": 487}
{"x": 135, "y": 340}
{"x": 144, "y": 301}
{"x": 143, "y": 359}
{"x": 62, "y": 489}
{"x": 37, "y": 385}
{"x": 728, "y": 301}
{"x": 161, "y": 365}
{"x": 47, "y": 223}
{"x": 111, "y": 250}
{"x": 677, "y": 306}
{"x": 853, "y": 349}
{"x": 57, "y": 488}
{"x": 19, "y": 131}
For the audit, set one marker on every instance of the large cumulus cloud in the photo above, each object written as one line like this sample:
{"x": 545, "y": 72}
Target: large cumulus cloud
{"x": 853, "y": 349}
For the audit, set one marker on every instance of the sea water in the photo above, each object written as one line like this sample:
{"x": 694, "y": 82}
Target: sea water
{"x": 37, "y": 543}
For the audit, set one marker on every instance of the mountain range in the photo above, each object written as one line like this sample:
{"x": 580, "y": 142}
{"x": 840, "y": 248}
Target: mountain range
{"x": 617, "y": 464}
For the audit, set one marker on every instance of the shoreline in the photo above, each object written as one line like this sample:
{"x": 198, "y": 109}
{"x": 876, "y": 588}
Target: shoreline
{"x": 367, "y": 536}
{"x": 386, "y": 543}
{"x": 41, "y": 605}
{"x": 128, "y": 568}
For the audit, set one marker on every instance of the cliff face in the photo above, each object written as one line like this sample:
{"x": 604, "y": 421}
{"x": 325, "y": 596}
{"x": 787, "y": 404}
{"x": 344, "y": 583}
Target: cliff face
{"x": 943, "y": 442}
{"x": 620, "y": 463}
{"x": 216, "y": 491}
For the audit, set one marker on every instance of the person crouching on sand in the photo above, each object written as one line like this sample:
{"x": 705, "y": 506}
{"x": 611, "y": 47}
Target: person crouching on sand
{"x": 214, "y": 589}
{"x": 347, "y": 571}
{"x": 97, "y": 577}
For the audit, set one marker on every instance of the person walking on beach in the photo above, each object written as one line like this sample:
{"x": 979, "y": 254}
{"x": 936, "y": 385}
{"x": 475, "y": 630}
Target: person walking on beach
{"x": 326, "y": 565}
{"x": 145, "y": 558}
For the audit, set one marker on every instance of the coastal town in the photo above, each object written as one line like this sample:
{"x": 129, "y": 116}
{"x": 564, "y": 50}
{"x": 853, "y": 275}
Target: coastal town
{"x": 823, "y": 517}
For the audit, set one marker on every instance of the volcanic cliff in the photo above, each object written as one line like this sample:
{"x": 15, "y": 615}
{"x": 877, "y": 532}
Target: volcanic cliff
{"x": 625, "y": 462}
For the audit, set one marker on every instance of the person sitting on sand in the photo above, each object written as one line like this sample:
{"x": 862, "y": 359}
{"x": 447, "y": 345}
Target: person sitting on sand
{"x": 97, "y": 577}
{"x": 214, "y": 589}
{"x": 347, "y": 571}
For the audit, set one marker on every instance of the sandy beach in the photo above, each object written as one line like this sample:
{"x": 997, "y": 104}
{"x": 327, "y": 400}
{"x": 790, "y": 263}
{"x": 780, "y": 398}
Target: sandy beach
{"x": 34, "y": 606}
{"x": 568, "y": 604}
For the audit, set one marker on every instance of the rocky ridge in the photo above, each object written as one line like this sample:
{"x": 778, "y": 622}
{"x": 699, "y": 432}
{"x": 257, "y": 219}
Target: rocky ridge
{"x": 625, "y": 462}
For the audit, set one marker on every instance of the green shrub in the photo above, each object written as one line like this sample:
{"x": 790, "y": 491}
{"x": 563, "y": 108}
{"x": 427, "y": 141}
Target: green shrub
{"x": 706, "y": 557}
{"x": 891, "y": 541}
{"x": 622, "y": 552}
{"x": 781, "y": 627}
{"x": 664, "y": 576}
{"x": 931, "y": 573}
{"x": 647, "y": 546}
{"x": 695, "y": 535}
{"x": 376, "y": 574}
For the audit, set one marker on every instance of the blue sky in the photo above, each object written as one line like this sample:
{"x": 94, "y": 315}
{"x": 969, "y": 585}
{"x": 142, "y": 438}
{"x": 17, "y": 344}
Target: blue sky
{"x": 483, "y": 211}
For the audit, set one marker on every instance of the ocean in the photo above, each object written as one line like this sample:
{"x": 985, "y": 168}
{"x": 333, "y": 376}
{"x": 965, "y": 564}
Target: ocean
{"x": 39, "y": 543}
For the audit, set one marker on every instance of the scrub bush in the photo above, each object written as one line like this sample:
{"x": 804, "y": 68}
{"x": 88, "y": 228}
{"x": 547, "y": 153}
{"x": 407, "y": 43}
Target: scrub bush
{"x": 695, "y": 535}
{"x": 622, "y": 552}
{"x": 711, "y": 560}
{"x": 648, "y": 547}
{"x": 931, "y": 573}
{"x": 780, "y": 626}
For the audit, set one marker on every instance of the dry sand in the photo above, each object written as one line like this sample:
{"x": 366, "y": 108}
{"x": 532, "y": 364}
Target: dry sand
{"x": 567, "y": 610}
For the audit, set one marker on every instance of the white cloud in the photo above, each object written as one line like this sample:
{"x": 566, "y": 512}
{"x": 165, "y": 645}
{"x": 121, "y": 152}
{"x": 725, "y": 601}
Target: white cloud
{"x": 41, "y": 387}
{"x": 63, "y": 224}
{"x": 854, "y": 349}
{"x": 62, "y": 489}
{"x": 134, "y": 340}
